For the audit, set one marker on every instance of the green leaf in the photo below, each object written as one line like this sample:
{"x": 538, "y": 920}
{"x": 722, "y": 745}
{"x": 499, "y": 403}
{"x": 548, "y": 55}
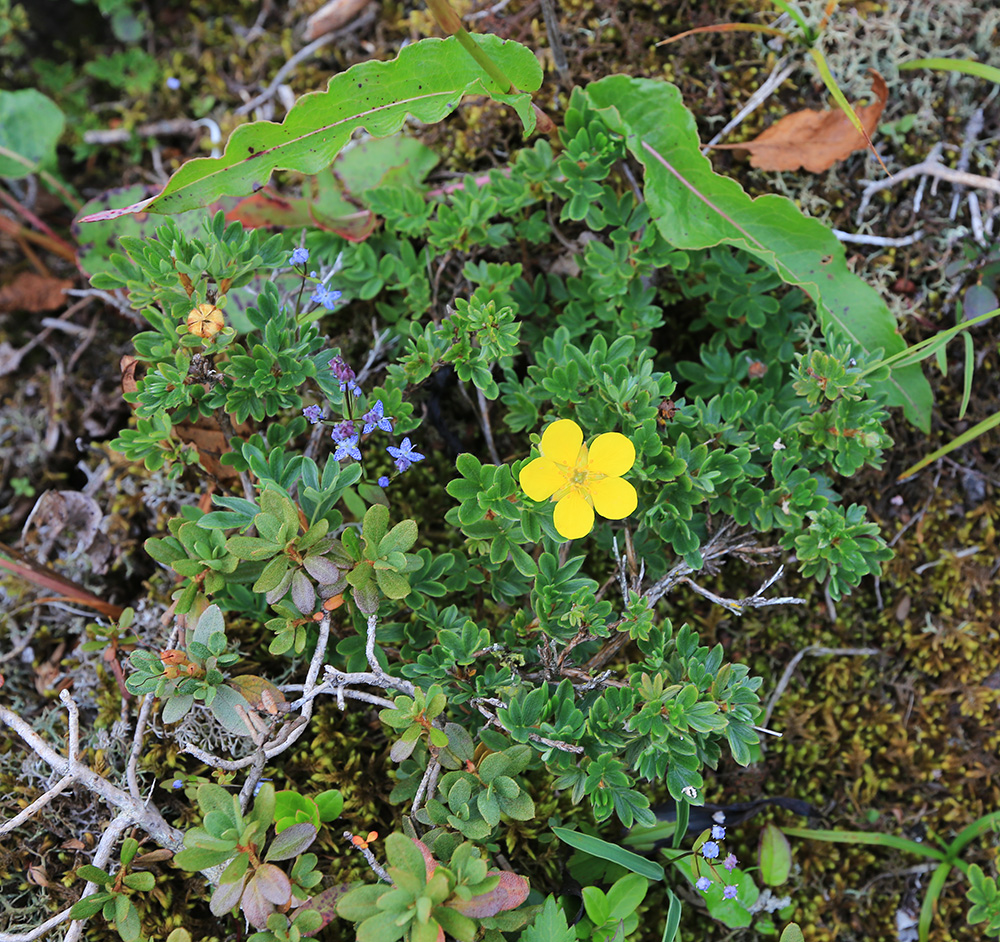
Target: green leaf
{"x": 89, "y": 906}
{"x": 596, "y": 904}
{"x": 792, "y": 933}
{"x": 405, "y": 855}
{"x": 93, "y": 874}
{"x": 360, "y": 903}
{"x": 330, "y": 803}
{"x": 176, "y": 708}
{"x": 130, "y": 847}
{"x": 610, "y": 852}
{"x": 291, "y": 842}
{"x": 549, "y": 926}
{"x": 127, "y": 919}
{"x": 625, "y": 895}
{"x": 380, "y": 928}
{"x": 30, "y": 126}
{"x": 374, "y": 526}
{"x": 775, "y": 855}
{"x": 693, "y": 207}
{"x": 224, "y": 709}
{"x": 195, "y": 859}
{"x": 212, "y": 797}
{"x": 427, "y": 80}
{"x": 143, "y": 881}
{"x": 399, "y": 539}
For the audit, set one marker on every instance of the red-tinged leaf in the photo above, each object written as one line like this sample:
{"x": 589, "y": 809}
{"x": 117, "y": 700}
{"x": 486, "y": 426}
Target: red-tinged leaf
{"x": 225, "y": 897}
{"x": 254, "y": 688}
{"x": 274, "y": 884}
{"x": 256, "y": 907}
{"x": 510, "y": 892}
{"x": 268, "y": 210}
{"x": 428, "y": 858}
{"x": 291, "y": 842}
{"x": 325, "y": 903}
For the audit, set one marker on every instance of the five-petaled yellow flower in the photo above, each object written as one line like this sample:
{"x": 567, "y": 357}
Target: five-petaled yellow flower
{"x": 579, "y": 479}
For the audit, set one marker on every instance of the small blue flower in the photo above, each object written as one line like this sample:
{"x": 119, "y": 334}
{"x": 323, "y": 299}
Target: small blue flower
{"x": 313, "y": 414}
{"x": 376, "y": 418}
{"x": 718, "y": 832}
{"x": 173, "y": 83}
{"x": 299, "y": 257}
{"x": 259, "y": 786}
{"x": 703, "y": 883}
{"x": 342, "y": 431}
{"x": 383, "y": 481}
{"x": 710, "y": 850}
{"x": 340, "y": 369}
{"x": 730, "y": 892}
{"x": 404, "y": 455}
{"x": 325, "y": 296}
{"x": 177, "y": 783}
{"x": 348, "y": 448}
{"x": 730, "y": 862}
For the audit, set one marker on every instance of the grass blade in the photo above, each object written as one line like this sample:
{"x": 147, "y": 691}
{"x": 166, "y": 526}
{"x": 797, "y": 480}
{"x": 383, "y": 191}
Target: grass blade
{"x": 970, "y": 366}
{"x": 967, "y": 436}
{"x": 673, "y": 918}
{"x": 978, "y": 69}
{"x": 610, "y": 852}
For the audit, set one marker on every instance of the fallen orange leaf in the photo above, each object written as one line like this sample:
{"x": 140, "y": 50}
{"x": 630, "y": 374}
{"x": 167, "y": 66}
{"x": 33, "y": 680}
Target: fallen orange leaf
{"x": 814, "y": 140}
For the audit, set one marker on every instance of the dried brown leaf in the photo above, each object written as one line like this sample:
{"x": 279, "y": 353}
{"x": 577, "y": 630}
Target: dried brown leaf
{"x": 814, "y": 140}
{"x": 33, "y": 293}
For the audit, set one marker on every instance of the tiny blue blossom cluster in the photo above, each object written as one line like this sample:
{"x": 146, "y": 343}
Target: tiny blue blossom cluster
{"x": 710, "y": 851}
{"x": 299, "y": 256}
{"x": 346, "y": 433}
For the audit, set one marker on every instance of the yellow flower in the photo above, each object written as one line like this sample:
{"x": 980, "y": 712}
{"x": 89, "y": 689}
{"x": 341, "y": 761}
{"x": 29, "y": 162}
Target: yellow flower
{"x": 579, "y": 479}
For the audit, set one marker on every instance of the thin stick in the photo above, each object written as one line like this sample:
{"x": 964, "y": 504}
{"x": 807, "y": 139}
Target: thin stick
{"x": 431, "y": 772}
{"x": 38, "y": 931}
{"x": 779, "y": 73}
{"x": 860, "y": 239}
{"x": 816, "y": 651}
{"x": 377, "y": 868}
{"x": 131, "y": 770}
{"x": 102, "y": 855}
{"x": 931, "y": 169}
{"x": 304, "y": 53}
{"x": 37, "y": 804}
{"x": 484, "y": 415}
{"x": 555, "y": 38}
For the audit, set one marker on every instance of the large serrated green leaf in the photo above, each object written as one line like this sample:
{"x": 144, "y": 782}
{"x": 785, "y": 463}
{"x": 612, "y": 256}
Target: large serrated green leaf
{"x": 694, "y": 207}
{"x": 426, "y": 80}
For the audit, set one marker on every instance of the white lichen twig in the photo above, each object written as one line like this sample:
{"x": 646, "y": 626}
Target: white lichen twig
{"x": 69, "y": 766}
{"x": 291, "y": 731}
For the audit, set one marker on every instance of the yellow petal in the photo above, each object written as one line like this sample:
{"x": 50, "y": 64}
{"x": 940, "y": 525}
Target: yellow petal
{"x": 611, "y": 453}
{"x": 573, "y": 516}
{"x": 613, "y": 498}
{"x": 541, "y": 478}
{"x": 561, "y": 442}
